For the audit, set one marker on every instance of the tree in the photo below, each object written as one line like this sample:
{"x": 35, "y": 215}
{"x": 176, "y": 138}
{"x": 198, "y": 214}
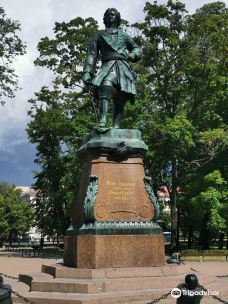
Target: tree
{"x": 166, "y": 127}
{"x": 207, "y": 90}
{"x": 16, "y": 215}
{"x": 10, "y": 47}
{"x": 183, "y": 82}
{"x": 208, "y": 207}
{"x": 60, "y": 116}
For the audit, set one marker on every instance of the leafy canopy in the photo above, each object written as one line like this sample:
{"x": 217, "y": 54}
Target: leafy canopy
{"x": 16, "y": 215}
{"x": 10, "y": 47}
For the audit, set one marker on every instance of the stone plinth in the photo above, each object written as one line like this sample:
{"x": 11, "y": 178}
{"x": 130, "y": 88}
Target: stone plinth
{"x": 114, "y": 214}
{"x": 108, "y": 251}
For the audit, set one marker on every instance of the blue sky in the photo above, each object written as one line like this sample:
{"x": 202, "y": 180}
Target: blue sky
{"x": 37, "y": 19}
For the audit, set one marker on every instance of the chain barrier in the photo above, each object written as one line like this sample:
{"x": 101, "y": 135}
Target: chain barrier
{"x": 25, "y": 300}
{"x": 163, "y": 297}
{"x": 206, "y": 290}
{"x": 194, "y": 270}
{"x": 159, "y": 299}
{"x": 213, "y": 296}
{"x": 8, "y": 276}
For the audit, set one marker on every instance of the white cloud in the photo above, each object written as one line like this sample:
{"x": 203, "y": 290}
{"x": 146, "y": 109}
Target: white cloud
{"x": 37, "y": 20}
{"x": 24, "y": 65}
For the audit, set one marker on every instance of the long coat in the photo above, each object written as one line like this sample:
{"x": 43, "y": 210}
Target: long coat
{"x": 119, "y": 51}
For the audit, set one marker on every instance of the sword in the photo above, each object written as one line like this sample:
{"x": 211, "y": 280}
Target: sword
{"x": 93, "y": 94}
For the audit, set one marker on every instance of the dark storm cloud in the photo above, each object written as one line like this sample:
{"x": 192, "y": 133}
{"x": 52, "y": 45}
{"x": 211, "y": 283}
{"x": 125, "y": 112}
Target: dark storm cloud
{"x": 16, "y": 167}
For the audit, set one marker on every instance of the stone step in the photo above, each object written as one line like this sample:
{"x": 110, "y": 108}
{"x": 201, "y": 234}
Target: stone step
{"x": 151, "y": 283}
{"x": 61, "y": 271}
{"x": 69, "y": 285}
{"x": 28, "y": 278}
{"x": 105, "y": 285}
{"x": 133, "y": 296}
{"x": 120, "y": 297}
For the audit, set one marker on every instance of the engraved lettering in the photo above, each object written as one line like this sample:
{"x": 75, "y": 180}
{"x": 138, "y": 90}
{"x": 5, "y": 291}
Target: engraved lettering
{"x": 121, "y": 190}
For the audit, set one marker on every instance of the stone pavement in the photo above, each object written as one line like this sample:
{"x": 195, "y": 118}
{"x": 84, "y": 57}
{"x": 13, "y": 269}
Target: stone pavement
{"x": 13, "y": 265}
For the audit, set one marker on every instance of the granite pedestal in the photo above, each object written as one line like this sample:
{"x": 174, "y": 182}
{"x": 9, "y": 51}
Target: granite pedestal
{"x": 114, "y": 214}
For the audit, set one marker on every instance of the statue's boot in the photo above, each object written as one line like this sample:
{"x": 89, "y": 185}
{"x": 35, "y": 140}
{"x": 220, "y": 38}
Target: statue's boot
{"x": 118, "y": 110}
{"x": 103, "y": 111}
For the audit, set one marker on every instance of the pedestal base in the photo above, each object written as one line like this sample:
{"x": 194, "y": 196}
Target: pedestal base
{"x": 58, "y": 284}
{"x": 108, "y": 251}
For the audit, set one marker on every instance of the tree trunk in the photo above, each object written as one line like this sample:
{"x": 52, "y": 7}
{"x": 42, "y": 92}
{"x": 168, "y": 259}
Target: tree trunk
{"x": 178, "y": 227}
{"x": 221, "y": 240}
{"x": 41, "y": 241}
{"x": 190, "y": 238}
{"x": 173, "y": 203}
{"x": 10, "y": 237}
{"x": 204, "y": 238}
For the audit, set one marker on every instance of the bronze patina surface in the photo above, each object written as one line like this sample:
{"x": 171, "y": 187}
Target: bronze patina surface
{"x": 115, "y": 79}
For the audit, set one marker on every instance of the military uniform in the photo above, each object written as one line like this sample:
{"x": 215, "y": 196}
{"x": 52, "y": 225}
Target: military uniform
{"x": 115, "y": 79}
{"x": 116, "y": 48}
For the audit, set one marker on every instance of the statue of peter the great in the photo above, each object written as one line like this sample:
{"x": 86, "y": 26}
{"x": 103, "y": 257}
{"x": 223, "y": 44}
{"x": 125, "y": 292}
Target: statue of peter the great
{"x": 115, "y": 79}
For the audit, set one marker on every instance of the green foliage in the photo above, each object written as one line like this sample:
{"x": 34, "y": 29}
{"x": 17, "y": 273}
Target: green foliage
{"x": 207, "y": 205}
{"x": 211, "y": 251}
{"x": 212, "y": 141}
{"x": 174, "y": 134}
{"x": 15, "y": 214}
{"x": 214, "y": 180}
{"x": 164, "y": 216}
{"x": 182, "y": 91}
{"x": 10, "y": 47}
{"x": 60, "y": 117}
{"x": 65, "y": 54}
{"x": 180, "y": 108}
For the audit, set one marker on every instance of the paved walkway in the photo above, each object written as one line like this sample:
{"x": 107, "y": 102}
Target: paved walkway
{"x": 13, "y": 265}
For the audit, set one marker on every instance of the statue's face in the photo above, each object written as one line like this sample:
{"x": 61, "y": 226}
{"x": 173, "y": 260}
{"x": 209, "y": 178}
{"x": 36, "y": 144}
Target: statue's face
{"x": 111, "y": 18}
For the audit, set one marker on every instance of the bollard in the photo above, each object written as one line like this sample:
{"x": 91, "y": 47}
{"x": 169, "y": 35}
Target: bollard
{"x": 191, "y": 292}
{"x": 5, "y": 293}
{"x": 174, "y": 259}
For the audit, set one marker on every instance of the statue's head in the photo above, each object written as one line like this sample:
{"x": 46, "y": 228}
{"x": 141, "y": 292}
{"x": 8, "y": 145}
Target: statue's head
{"x": 111, "y": 17}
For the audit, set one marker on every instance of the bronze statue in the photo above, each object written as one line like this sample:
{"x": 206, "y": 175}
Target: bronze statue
{"x": 115, "y": 79}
